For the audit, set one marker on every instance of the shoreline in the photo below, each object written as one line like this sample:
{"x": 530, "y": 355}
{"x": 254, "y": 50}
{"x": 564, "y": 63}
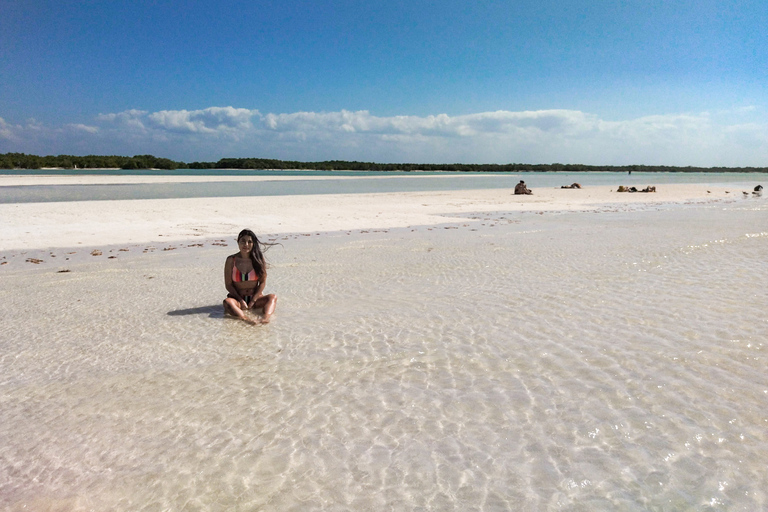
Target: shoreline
{"x": 20, "y": 180}
{"x": 55, "y": 226}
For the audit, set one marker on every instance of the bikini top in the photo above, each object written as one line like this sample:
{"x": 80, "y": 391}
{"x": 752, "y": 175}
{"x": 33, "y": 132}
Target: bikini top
{"x": 239, "y": 277}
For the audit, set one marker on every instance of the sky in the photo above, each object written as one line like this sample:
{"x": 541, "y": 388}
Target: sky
{"x": 598, "y": 82}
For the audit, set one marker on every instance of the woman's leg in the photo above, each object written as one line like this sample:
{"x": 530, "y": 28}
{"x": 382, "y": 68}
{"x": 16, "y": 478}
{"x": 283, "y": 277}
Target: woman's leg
{"x": 268, "y": 302}
{"x": 232, "y": 307}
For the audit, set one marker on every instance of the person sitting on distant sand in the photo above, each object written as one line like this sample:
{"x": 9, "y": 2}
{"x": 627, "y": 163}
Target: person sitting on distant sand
{"x": 521, "y": 189}
{"x": 574, "y": 185}
{"x": 245, "y": 275}
{"x": 622, "y": 188}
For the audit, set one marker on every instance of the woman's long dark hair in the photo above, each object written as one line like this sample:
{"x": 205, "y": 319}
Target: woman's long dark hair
{"x": 257, "y": 253}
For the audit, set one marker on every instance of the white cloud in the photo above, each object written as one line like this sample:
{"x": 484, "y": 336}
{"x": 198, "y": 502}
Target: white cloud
{"x": 125, "y": 116}
{"x": 210, "y": 120}
{"x": 545, "y": 136}
{"x": 84, "y": 128}
{"x": 6, "y": 130}
{"x": 129, "y": 119}
{"x": 435, "y": 125}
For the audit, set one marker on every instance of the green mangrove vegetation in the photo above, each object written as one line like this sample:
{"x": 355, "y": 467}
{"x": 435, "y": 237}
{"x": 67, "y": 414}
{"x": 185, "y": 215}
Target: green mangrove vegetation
{"x": 23, "y": 161}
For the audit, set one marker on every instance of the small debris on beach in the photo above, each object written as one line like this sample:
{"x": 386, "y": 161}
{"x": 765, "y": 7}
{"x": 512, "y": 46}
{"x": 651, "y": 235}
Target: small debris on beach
{"x": 36, "y": 261}
{"x": 63, "y": 271}
{"x": 96, "y": 252}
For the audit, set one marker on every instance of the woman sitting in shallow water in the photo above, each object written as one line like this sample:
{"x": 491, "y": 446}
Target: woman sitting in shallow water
{"x": 245, "y": 275}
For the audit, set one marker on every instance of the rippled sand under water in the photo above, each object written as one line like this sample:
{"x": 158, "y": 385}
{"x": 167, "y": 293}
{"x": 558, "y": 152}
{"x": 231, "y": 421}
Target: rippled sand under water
{"x": 580, "y": 361}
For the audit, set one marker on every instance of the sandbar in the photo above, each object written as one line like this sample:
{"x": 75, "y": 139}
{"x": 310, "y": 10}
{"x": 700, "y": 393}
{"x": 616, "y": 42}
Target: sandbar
{"x": 92, "y": 223}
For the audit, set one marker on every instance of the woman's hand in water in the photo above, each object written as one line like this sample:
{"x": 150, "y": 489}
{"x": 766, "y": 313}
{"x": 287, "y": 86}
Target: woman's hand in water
{"x": 243, "y": 304}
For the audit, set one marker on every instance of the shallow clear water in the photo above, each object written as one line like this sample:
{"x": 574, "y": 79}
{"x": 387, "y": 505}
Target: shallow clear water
{"x": 354, "y": 183}
{"x": 580, "y": 361}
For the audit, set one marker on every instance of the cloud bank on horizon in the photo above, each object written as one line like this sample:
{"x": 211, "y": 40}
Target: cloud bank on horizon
{"x": 545, "y": 136}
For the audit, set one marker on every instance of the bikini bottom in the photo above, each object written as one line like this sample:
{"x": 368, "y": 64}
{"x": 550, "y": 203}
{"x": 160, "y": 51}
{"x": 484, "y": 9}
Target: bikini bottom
{"x": 246, "y": 298}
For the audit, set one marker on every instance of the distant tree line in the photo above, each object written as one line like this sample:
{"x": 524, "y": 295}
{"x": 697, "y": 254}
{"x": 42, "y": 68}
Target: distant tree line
{"x": 23, "y": 161}
{"x": 341, "y": 165}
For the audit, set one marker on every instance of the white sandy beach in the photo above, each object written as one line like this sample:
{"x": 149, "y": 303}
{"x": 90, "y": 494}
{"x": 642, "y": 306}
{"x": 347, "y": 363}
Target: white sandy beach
{"x": 497, "y": 355}
{"x": 93, "y": 223}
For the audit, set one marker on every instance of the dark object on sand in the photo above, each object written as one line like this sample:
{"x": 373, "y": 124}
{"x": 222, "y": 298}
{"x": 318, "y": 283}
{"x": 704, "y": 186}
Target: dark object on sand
{"x": 622, "y": 188}
{"x": 521, "y": 189}
{"x": 758, "y": 188}
{"x": 573, "y": 185}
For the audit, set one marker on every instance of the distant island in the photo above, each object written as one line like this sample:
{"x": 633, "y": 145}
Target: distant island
{"x": 23, "y": 161}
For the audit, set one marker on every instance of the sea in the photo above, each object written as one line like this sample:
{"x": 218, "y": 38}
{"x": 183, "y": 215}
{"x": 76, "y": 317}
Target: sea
{"x": 333, "y": 182}
{"x": 579, "y": 361}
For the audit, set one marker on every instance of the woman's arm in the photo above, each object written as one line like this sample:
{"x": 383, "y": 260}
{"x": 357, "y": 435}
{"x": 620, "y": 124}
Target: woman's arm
{"x": 228, "y": 279}
{"x": 258, "y": 292}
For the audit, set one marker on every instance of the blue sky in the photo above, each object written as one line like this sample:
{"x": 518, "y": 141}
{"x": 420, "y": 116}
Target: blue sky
{"x": 596, "y": 82}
